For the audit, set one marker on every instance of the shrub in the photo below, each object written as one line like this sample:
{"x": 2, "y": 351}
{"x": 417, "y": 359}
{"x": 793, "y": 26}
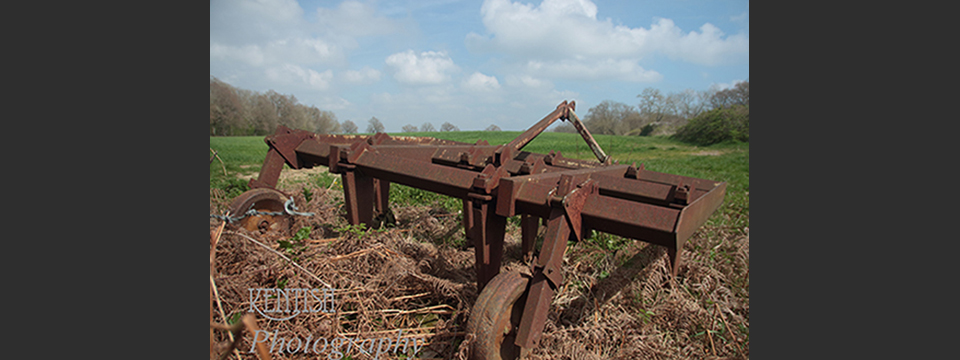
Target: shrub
{"x": 716, "y": 126}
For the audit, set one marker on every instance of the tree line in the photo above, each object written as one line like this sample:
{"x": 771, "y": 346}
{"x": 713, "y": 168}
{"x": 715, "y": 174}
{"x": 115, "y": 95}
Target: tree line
{"x": 703, "y": 117}
{"x": 239, "y": 112}
{"x": 659, "y": 113}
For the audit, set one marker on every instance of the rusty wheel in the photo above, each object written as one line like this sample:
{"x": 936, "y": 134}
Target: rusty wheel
{"x": 261, "y": 199}
{"x": 496, "y": 316}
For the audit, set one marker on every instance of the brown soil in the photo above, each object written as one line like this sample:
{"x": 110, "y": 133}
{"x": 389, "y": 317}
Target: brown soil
{"x": 613, "y": 305}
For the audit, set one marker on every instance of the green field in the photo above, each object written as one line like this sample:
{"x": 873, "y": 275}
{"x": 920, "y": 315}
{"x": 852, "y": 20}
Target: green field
{"x": 721, "y": 162}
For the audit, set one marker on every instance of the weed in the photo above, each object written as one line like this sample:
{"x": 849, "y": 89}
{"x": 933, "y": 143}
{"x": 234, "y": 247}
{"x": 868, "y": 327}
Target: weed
{"x": 307, "y": 194}
{"x": 358, "y": 230}
{"x": 646, "y": 315}
{"x": 603, "y": 275}
{"x": 403, "y": 195}
{"x": 295, "y": 245}
{"x": 234, "y": 318}
{"x": 232, "y": 187}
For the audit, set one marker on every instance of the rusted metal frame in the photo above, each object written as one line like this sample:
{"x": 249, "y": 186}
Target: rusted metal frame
{"x": 381, "y": 196}
{"x": 486, "y": 230}
{"x": 282, "y": 150}
{"x": 671, "y": 179}
{"x": 358, "y": 196}
{"x": 644, "y": 191}
{"x": 511, "y": 188}
{"x": 269, "y": 172}
{"x": 632, "y": 219}
{"x": 564, "y": 221}
{"x": 445, "y": 180}
{"x": 553, "y": 161}
{"x": 585, "y": 134}
{"x": 692, "y": 217}
{"x": 529, "y": 229}
{"x": 520, "y": 141}
{"x": 387, "y": 140}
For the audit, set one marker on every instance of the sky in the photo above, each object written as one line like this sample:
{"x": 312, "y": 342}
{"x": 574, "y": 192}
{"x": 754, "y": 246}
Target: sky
{"x": 475, "y": 63}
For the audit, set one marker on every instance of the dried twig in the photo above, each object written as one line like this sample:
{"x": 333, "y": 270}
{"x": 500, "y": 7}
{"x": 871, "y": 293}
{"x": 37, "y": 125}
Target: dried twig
{"x": 355, "y": 253}
{"x": 251, "y": 324}
{"x": 248, "y": 322}
{"x": 736, "y": 340}
{"x": 218, "y": 158}
{"x": 284, "y": 257}
{"x": 409, "y": 296}
{"x": 214, "y": 239}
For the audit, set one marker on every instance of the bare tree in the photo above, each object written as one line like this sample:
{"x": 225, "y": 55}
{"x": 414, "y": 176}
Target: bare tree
{"x": 348, "y": 127}
{"x": 612, "y": 118}
{"x": 264, "y": 115}
{"x": 565, "y": 127}
{"x": 739, "y": 94}
{"x": 226, "y": 109}
{"x": 409, "y": 128}
{"x": 449, "y": 127}
{"x": 236, "y": 111}
{"x": 427, "y": 127}
{"x": 492, "y": 127}
{"x": 374, "y": 125}
{"x": 688, "y": 103}
{"x": 321, "y": 121}
{"x": 653, "y": 105}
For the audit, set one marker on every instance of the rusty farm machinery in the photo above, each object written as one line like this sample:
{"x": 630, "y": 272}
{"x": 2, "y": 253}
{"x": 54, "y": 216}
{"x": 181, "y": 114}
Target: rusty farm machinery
{"x": 570, "y": 196}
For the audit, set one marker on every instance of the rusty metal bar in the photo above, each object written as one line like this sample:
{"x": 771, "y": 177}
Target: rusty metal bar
{"x": 486, "y": 230}
{"x": 269, "y": 172}
{"x": 585, "y": 134}
{"x": 538, "y": 128}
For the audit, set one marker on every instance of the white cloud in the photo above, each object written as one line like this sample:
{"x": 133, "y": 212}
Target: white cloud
{"x": 353, "y": 18}
{"x": 527, "y": 81}
{"x": 568, "y": 32}
{"x": 478, "y": 82}
{"x": 428, "y": 67}
{"x": 304, "y": 51}
{"x": 333, "y": 103}
{"x": 249, "y": 54}
{"x": 298, "y": 76}
{"x": 366, "y": 75}
{"x": 238, "y": 22}
{"x": 609, "y": 69}
{"x": 724, "y": 86}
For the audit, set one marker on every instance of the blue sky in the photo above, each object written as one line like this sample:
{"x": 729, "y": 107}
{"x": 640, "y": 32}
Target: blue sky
{"x": 475, "y": 63}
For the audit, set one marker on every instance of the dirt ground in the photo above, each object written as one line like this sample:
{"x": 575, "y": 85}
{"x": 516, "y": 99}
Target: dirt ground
{"x": 411, "y": 277}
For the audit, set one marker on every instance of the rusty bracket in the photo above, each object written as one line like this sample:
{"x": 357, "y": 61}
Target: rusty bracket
{"x": 633, "y": 172}
{"x": 488, "y": 179}
{"x": 573, "y": 202}
{"x": 285, "y": 141}
{"x": 537, "y": 166}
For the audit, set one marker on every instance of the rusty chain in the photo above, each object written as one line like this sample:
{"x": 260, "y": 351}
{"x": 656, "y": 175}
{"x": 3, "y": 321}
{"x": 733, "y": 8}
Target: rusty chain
{"x": 288, "y": 207}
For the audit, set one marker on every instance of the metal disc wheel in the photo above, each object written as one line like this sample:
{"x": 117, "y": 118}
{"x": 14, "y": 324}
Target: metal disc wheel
{"x": 496, "y": 316}
{"x": 262, "y": 199}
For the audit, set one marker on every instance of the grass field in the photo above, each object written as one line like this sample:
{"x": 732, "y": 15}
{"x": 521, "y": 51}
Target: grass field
{"x": 615, "y": 302}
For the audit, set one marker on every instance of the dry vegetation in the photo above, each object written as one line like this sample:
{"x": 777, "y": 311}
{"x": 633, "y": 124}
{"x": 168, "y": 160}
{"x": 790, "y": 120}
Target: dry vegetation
{"x": 614, "y": 304}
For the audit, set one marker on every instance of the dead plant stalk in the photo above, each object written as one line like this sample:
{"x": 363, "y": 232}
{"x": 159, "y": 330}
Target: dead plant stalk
{"x": 284, "y": 257}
